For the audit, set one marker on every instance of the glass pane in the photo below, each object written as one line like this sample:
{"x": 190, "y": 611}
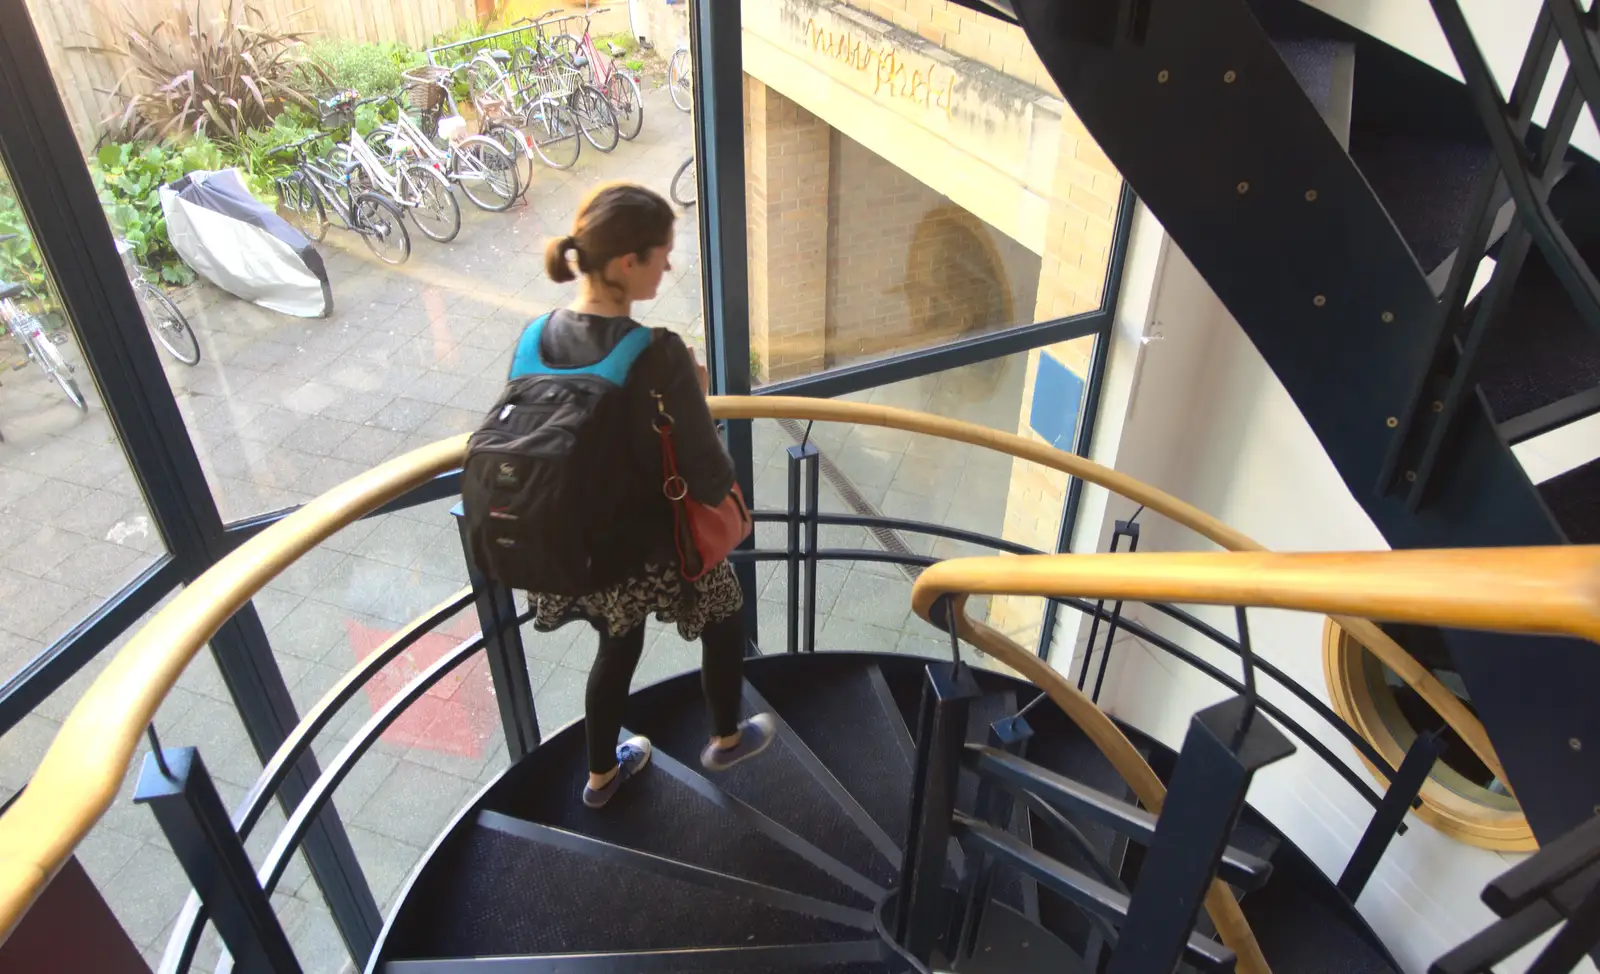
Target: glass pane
{"x": 913, "y": 178}
{"x": 74, "y": 527}
{"x": 870, "y": 471}
{"x": 285, "y": 400}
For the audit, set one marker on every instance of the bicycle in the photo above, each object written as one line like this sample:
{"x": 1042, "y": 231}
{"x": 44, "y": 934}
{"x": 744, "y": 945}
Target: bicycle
{"x": 28, "y": 330}
{"x": 680, "y": 78}
{"x": 166, "y": 321}
{"x": 421, "y": 190}
{"x": 314, "y": 188}
{"x": 556, "y": 79}
{"x": 621, "y": 88}
{"x": 685, "y": 188}
{"x": 485, "y": 168}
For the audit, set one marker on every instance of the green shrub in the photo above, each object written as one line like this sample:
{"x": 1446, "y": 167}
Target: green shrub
{"x": 19, "y": 260}
{"x": 372, "y": 69}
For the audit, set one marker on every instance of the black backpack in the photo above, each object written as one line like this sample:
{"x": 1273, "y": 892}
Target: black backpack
{"x": 548, "y": 481}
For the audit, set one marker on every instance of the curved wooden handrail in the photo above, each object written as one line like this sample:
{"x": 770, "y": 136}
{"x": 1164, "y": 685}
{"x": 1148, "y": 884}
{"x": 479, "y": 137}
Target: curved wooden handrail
{"x": 81, "y": 772}
{"x": 83, "y": 768}
{"x": 1446, "y": 704}
{"x": 1547, "y": 591}
{"x": 1537, "y": 590}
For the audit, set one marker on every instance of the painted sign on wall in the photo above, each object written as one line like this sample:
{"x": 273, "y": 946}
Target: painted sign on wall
{"x": 890, "y": 73}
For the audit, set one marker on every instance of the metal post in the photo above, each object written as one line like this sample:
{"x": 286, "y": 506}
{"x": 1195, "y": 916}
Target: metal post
{"x": 996, "y": 807}
{"x": 1220, "y": 755}
{"x": 813, "y": 508}
{"x": 174, "y": 783}
{"x": 1402, "y": 794}
{"x": 1124, "y": 529}
{"x": 792, "y": 563}
{"x": 502, "y": 646}
{"x": 947, "y": 693}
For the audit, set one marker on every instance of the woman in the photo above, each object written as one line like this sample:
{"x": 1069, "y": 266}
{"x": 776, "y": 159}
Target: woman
{"x": 617, "y": 251}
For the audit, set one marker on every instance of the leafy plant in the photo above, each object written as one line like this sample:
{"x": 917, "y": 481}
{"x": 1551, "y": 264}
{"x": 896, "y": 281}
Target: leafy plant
{"x": 634, "y": 64}
{"x": 368, "y": 68}
{"x": 19, "y": 259}
{"x": 128, "y": 176}
{"x": 217, "y": 76}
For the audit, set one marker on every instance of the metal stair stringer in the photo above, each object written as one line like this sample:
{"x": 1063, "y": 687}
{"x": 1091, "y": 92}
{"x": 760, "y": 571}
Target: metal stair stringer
{"x": 1197, "y": 110}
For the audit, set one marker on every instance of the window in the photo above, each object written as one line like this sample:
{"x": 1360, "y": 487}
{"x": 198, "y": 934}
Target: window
{"x": 1462, "y": 798}
{"x": 913, "y": 179}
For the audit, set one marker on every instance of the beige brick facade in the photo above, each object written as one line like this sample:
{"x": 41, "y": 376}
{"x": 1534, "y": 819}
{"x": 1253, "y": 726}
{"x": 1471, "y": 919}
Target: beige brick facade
{"x": 786, "y": 197}
{"x": 907, "y": 268}
{"x": 968, "y": 33}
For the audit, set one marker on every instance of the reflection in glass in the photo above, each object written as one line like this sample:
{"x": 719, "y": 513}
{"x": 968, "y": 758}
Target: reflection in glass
{"x": 74, "y": 528}
{"x": 914, "y": 178}
{"x": 876, "y": 472}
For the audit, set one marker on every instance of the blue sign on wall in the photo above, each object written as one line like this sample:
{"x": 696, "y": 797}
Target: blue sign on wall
{"x": 1057, "y": 394}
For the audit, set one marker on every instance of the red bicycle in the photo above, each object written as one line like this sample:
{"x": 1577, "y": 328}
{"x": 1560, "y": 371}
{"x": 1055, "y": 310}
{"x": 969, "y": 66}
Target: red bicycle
{"x": 619, "y": 85}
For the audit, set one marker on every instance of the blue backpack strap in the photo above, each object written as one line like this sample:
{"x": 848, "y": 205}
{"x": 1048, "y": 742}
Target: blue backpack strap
{"x": 613, "y": 368}
{"x": 526, "y": 361}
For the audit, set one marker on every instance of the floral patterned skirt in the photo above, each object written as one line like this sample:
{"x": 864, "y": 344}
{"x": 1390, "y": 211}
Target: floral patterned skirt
{"x": 659, "y": 589}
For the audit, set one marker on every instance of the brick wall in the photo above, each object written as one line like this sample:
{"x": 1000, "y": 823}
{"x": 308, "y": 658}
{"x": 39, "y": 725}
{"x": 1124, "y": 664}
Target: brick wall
{"x": 786, "y": 196}
{"x": 907, "y": 268}
{"x": 968, "y": 33}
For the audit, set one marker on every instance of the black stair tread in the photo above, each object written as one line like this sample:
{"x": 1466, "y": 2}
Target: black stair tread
{"x": 1426, "y": 183}
{"x": 779, "y": 784}
{"x": 1539, "y": 351}
{"x": 867, "y": 759}
{"x": 735, "y": 961}
{"x": 504, "y": 894}
{"x": 1574, "y": 499}
{"x": 1302, "y": 927}
{"x": 660, "y": 813}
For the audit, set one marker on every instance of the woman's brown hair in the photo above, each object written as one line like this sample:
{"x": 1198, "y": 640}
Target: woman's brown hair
{"x": 615, "y": 220}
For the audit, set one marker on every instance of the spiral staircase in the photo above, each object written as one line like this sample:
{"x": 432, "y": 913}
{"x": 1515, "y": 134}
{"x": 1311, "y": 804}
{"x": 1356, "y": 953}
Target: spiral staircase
{"x": 916, "y": 814}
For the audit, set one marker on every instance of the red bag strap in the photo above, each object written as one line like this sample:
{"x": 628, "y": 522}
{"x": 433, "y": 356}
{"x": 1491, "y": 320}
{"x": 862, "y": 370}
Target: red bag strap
{"x": 673, "y": 484}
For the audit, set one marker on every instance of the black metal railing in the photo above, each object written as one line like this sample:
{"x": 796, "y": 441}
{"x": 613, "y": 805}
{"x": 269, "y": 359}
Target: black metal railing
{"x": 237, "y": 907}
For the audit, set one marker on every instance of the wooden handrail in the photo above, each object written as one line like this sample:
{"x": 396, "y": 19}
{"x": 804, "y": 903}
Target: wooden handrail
{"x": 81, "y": 772}
{"x": 1548, "y": 590}
{"x": 1446, "y": 704}
{"x": 1537, "y": 590}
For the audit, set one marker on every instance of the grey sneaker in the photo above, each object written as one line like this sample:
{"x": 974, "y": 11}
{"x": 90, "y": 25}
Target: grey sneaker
{"x": 633, "y": 755}
{"x": 755, "y": 735}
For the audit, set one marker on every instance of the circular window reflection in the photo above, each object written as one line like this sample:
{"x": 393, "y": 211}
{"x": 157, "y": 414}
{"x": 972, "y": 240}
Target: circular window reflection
{"x": 1462, "y": 797}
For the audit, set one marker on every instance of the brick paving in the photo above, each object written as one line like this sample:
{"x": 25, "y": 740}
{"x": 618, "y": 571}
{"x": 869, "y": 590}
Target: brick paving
{"x": 281, "y": 409}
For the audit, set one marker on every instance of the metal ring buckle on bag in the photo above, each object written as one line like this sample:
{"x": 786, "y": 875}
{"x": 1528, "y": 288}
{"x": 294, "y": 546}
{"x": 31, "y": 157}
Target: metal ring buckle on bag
{"x": 676, "y": 488}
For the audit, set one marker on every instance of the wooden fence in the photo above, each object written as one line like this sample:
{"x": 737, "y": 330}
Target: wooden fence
{"x": 86, "y": 78}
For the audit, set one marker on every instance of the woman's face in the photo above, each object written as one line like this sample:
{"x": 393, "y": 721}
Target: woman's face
{"x": 642, "y": 277}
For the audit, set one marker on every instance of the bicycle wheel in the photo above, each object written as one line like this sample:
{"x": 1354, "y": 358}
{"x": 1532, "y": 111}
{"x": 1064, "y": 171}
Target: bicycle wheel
{"x": 520, "y": 146}
{"x": 623, "y": 94}
{"x": 680, "y": 80}
{"x": 430, "y": 204}
{"x": 302, "y": 205}
{"x": 555, "y": 134}
{"x": 595, "y": 117}
{"x": 685, "y": 188}
{"x": 486, "y": 173}
{"x": 55, "y": 366}
{"x": 382, "y": 227}
{"x": 570, "y": 49}
{"x": 168, "y": 324}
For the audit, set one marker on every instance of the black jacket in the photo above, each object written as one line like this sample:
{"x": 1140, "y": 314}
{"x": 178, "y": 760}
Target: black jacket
{"x": 573, "y": 340}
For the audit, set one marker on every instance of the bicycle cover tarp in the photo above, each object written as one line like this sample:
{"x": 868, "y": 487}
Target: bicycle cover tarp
{"x": 238, "y": 243}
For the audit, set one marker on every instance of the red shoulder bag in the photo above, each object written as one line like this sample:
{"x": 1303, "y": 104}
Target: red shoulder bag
{"x": 704, "y": 534}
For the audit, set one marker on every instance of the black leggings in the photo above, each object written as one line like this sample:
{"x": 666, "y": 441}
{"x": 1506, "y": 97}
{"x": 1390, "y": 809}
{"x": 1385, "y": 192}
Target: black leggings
{"x": 721, "y": 676}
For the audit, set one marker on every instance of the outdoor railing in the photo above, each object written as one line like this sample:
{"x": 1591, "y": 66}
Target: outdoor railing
{"x": 80, "y": 774}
